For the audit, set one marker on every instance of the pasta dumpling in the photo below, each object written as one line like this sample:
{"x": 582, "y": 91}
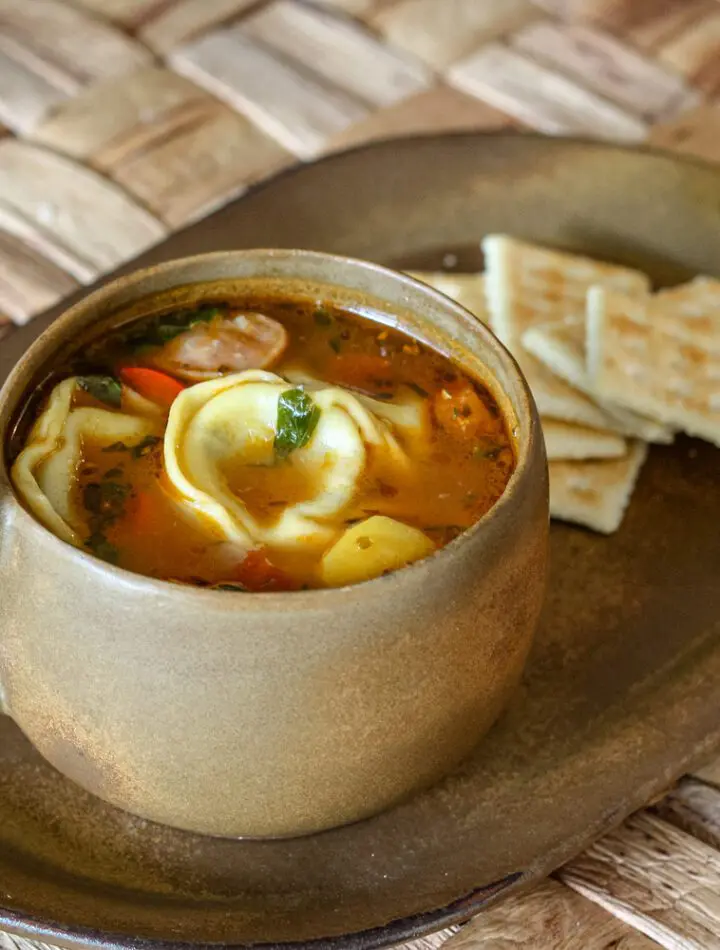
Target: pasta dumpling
{"x": 407, "y": 415}
{"x": 227, "y": 427}
{"x": 45, "y": 471}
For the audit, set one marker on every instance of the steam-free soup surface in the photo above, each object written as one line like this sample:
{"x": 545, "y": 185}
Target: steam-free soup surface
{"x": 262, "y": 445}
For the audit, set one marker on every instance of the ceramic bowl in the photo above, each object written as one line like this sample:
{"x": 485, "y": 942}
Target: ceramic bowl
{"x": 271, "y": 714}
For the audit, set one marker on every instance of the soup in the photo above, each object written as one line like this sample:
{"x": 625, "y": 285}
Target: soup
{"x": 261, "y": 445}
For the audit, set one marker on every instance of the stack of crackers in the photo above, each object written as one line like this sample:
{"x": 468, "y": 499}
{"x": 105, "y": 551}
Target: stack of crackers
{"x": 611, "y": 365}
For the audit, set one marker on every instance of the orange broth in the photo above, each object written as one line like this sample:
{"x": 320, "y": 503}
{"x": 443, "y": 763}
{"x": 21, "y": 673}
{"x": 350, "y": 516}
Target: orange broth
{"x": 139, "y": 525}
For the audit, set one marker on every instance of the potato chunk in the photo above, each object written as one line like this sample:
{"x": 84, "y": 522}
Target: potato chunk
{"x": 372, "y": 547}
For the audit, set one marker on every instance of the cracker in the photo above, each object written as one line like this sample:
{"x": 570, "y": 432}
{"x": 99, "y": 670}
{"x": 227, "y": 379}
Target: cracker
{"x": 556, "y": 400}
{"x": 566, "y": 441}
{"x": 561, "y": 347}
{"x": 527, "y": 285}
{"x": 466, "y": 289}
{"x": 693, "y": 311}
{"x": 595, "y": 493}
{"x": 640, "y": 358}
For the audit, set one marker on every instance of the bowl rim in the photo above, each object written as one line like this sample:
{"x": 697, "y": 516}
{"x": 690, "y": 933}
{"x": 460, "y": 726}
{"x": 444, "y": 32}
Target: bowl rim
{"x": 56, "y": 334}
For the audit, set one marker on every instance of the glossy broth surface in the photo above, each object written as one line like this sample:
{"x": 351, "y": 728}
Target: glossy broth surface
{"x": 437, "y": 476}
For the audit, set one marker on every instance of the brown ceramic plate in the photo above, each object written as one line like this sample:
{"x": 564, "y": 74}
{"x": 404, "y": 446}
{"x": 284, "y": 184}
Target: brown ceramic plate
{"x": 621, "y": 694}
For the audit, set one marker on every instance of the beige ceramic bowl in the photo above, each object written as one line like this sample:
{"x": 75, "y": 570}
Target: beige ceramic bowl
{"x": 271, "y": 714}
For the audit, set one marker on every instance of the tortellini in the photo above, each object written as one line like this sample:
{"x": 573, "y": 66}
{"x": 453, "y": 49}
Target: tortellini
{"x": 233, "y": 419}
{"x": 43, "y": 473}
{"x": 408, "y": 415}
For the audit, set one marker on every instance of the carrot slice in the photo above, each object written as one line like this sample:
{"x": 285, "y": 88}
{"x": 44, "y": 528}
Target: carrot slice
{"x": 152, "y": 384}
{"x": 142, "y": 509}
{"x": 143, "y": 516}
{"x": 258, "y": 573}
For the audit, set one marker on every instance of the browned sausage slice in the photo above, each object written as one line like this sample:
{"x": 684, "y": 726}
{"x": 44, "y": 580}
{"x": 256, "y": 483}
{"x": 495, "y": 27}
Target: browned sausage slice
{"x": 229, "y": 344}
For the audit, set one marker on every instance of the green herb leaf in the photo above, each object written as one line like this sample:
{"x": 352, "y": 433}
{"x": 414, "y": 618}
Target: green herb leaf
{"x": 91, "y": 497}
{"x": 144, "y": 447}
{"x": 136, "y": 451}
{"x": 102, "y": 548}
{"x": 167, "y": 331}
{"x": 185, "y": 321}
{"x": 204, "y": 315}
{"x": 237, "y": 588}
{"x": 418, "y": 389}
{"x": 322, "y": 317}
{"x": 297, "y": 418}
{"x": 335, "y": 344}
{"x": 168, "y": 326}
{"x": 105, "y": 499}
{"x": 113, "y": 473}
{"x": 106, "y": 389}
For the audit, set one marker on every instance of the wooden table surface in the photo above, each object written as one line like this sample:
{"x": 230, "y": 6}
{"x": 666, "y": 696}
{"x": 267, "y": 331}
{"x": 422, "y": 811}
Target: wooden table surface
{"x": 124, "y": 120}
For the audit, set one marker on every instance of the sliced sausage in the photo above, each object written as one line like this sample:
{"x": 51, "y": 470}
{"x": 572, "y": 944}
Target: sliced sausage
{"x": 228, "y": 344}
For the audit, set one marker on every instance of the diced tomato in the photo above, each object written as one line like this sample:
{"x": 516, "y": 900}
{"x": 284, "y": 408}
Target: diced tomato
{"x": 154, "y": 385}
{"x": 258, "y": 573}
{"x": 461, "y": 412}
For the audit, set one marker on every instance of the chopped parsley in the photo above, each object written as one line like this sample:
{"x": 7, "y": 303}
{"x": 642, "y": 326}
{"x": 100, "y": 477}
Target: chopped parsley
{"x": 168, "y": 326}
{"x": 102, "y": 548}
{"x": 105, "y": 502}
{"x": 105, "y": 499}
{"x": 297, "y": 417}
{"x": 144, "y": 447}
{"x": 105, "y": 389}
{"x": 322, "y": 317}
{"x": 138, "y": 451}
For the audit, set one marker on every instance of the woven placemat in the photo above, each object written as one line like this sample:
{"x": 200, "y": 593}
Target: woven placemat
{"x": 124, "y": 120}
{"x": 127, "y": 119}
